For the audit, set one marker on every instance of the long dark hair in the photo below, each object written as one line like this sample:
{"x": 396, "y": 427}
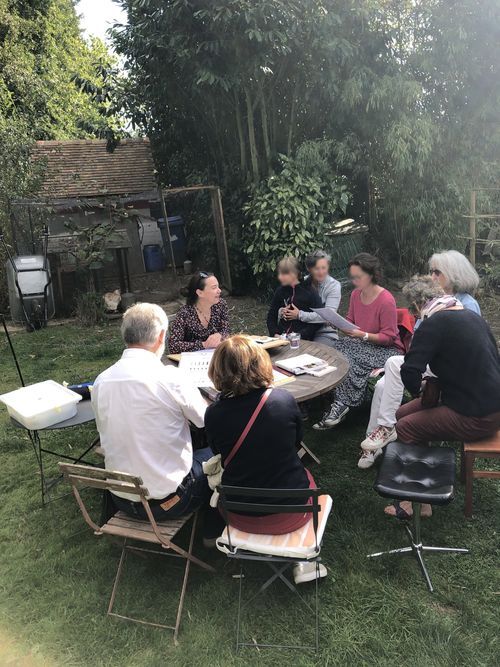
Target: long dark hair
{"x": 197, "y": 282}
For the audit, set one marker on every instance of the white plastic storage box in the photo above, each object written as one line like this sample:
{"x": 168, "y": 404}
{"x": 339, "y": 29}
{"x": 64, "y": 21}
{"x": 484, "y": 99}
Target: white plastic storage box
{"x": 42, "y": 404}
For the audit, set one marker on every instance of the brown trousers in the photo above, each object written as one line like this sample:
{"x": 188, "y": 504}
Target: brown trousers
{"x": 418, "y": 425}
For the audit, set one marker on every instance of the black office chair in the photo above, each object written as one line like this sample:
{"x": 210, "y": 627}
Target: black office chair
{"x": 283, "y": 551}
{"x": 420, "y": 474}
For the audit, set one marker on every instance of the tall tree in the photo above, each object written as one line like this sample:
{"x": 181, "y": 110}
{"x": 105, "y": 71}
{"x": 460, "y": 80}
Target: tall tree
{"x": 406, "y": 91}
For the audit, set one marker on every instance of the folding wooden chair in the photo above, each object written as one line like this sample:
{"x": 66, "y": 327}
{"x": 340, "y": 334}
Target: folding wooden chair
{"x": 128, "y": 528}
{"x": 279, "y": 552}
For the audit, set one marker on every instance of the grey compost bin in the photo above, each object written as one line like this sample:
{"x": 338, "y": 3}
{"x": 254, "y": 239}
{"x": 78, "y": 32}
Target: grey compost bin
{"x": 33, "y": 280}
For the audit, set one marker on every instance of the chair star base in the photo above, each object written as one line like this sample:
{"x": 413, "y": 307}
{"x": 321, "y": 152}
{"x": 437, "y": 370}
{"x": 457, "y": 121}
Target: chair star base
{"x": 417, "y": 548}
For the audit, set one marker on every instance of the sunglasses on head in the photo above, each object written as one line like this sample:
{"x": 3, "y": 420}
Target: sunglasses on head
{"x": 202, "y": 275}
{"x": 436, "y": 271}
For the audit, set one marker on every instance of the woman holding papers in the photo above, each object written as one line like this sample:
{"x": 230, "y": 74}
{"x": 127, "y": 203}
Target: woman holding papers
{"x": 292, "y": 296}
{"x": 203, "y": 323}
{"x": 372, "y": 309}
{"x": 329, "y": 291}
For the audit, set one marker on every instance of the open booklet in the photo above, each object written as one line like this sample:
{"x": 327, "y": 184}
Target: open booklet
{"x": 194, "y": 366}
{"x": 336, "y": 320}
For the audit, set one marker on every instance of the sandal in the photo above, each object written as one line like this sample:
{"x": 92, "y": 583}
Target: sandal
{"x": 401, "y": 514}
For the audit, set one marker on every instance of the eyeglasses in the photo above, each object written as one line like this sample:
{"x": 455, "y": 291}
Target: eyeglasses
{"x": 203, "y": 275}
{"x": 436, "y": 271}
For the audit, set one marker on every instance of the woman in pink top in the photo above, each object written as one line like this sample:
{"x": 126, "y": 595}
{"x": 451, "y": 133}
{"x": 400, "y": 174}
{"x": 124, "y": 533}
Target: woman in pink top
{"x": 373, "y": 310}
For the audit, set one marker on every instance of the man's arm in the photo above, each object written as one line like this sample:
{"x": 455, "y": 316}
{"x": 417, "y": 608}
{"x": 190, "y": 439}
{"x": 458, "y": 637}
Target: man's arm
{"x": 191, "y": 402}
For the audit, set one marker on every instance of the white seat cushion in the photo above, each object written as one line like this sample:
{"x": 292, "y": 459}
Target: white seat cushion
{"x": 299, "y": 544}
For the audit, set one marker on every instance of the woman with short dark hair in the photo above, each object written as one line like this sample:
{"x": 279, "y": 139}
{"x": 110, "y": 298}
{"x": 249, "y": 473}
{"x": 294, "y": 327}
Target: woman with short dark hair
{"x": 329, "y": 291}
{"x": 372, "y": 309}
{"x": 203, "y": 323}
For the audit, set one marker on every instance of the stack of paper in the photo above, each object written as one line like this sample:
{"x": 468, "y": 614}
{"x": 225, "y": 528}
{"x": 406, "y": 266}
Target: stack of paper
{"x": 194, "y": 366}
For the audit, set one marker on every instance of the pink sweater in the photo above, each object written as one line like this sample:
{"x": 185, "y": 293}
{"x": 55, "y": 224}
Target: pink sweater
{"x": 380, "y": 317}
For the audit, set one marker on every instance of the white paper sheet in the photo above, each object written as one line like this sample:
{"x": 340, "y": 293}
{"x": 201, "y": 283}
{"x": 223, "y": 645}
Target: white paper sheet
{"x": 336, "y": 320}
{"x": 194, "y": 366}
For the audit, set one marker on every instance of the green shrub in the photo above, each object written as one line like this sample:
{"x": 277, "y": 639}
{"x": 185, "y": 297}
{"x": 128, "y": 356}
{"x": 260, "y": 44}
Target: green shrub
{"x": 289, "y": 213}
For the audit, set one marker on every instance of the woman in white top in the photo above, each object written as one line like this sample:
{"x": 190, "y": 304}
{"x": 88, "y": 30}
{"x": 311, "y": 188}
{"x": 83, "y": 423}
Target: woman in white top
{"x": 329, "y": 290}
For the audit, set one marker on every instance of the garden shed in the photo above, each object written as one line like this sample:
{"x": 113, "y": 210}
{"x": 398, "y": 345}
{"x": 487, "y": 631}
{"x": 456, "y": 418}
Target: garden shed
{"x": 102, "y": 207}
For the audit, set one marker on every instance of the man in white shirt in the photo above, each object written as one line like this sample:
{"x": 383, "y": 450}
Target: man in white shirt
{"x": 143, "y": 410}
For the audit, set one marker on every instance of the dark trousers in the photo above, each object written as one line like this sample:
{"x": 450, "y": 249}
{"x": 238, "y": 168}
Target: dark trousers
{"x": 193, "y": 494}
{"x": 418, "y": 425}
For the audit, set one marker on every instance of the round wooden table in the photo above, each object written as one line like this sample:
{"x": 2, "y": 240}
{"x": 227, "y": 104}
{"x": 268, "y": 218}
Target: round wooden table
{"x": 306, "y": 387}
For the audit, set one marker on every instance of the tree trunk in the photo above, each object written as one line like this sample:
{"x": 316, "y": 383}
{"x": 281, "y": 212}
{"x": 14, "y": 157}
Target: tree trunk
{"x": 293, "y": 108}
{"x": 241, "y": 137}
{"x": 265, "y": 130}
{"x": 254, "y": 157}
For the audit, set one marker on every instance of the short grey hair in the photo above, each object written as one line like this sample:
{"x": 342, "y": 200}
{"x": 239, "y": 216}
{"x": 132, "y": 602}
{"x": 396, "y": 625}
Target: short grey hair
{"x": 459, "y": 272}
{"x": 143, "y": 323}
{"x": 421, "y": 289}
{"x": 314, "y": 256}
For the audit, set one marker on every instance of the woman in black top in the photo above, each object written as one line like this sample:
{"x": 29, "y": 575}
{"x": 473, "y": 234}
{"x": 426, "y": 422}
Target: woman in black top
{"x": 460, "y": 350}
{"x": 292, "y": 293}
{"x": 268, "y": 457}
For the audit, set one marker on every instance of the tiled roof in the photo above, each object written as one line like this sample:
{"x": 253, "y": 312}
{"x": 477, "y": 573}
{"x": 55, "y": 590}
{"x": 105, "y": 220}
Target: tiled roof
{"x": 84, "y": 168}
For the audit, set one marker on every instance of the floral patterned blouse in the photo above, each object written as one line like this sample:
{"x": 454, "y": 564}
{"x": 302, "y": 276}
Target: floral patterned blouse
{"x": 188, "y": 333}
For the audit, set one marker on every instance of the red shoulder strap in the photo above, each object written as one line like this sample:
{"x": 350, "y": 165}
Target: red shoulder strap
{"x": 247, "y": 428}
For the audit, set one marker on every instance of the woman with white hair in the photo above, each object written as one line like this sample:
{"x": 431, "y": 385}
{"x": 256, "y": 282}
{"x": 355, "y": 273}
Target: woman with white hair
{"x": 456, "y": 275}
{"x": 452, "y": 273}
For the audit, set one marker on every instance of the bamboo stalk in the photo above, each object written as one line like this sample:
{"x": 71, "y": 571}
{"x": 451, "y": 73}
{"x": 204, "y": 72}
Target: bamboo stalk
{"x": 472, "y": 228}
{"x": 251, "y": 136}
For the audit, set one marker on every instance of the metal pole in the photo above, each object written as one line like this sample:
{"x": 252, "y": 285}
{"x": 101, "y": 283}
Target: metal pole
{"x": 169, "y": 238}
{"x": 4, "y": 324}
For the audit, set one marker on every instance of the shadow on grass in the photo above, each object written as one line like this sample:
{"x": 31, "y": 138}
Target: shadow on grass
{"x": 56, "y": 576}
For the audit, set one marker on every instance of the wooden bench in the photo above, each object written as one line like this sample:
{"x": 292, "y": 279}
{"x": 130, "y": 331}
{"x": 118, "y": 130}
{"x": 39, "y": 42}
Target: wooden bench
{"x": 489, "y": 448}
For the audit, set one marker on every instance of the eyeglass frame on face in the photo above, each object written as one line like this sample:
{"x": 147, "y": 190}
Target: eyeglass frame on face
{"x": 438, "y": 272}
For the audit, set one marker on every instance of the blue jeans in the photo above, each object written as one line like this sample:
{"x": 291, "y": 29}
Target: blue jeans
{"x": 193, "y": 493}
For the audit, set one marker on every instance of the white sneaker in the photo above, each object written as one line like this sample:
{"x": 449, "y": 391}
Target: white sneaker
{"x": 304, "y": 572}
{"x": 379, "y": 437}
{"x": 332, "y": 417}
{"x": 368, "y": 458}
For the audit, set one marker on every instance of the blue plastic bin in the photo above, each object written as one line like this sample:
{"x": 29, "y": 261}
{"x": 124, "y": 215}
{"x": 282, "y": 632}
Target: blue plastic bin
{"x": 154, "y": 259}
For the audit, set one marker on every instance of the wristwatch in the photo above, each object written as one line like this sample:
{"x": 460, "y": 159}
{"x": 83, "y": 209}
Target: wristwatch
{"x": 365, "y": 337}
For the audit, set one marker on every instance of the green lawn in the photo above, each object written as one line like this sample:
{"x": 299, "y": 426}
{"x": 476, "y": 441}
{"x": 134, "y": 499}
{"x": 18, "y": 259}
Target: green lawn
{"x": 56, "y": 576}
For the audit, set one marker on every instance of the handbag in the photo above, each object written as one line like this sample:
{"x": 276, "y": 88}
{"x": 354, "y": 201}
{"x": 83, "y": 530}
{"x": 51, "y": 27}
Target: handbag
{"x": 213, "y": 467}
